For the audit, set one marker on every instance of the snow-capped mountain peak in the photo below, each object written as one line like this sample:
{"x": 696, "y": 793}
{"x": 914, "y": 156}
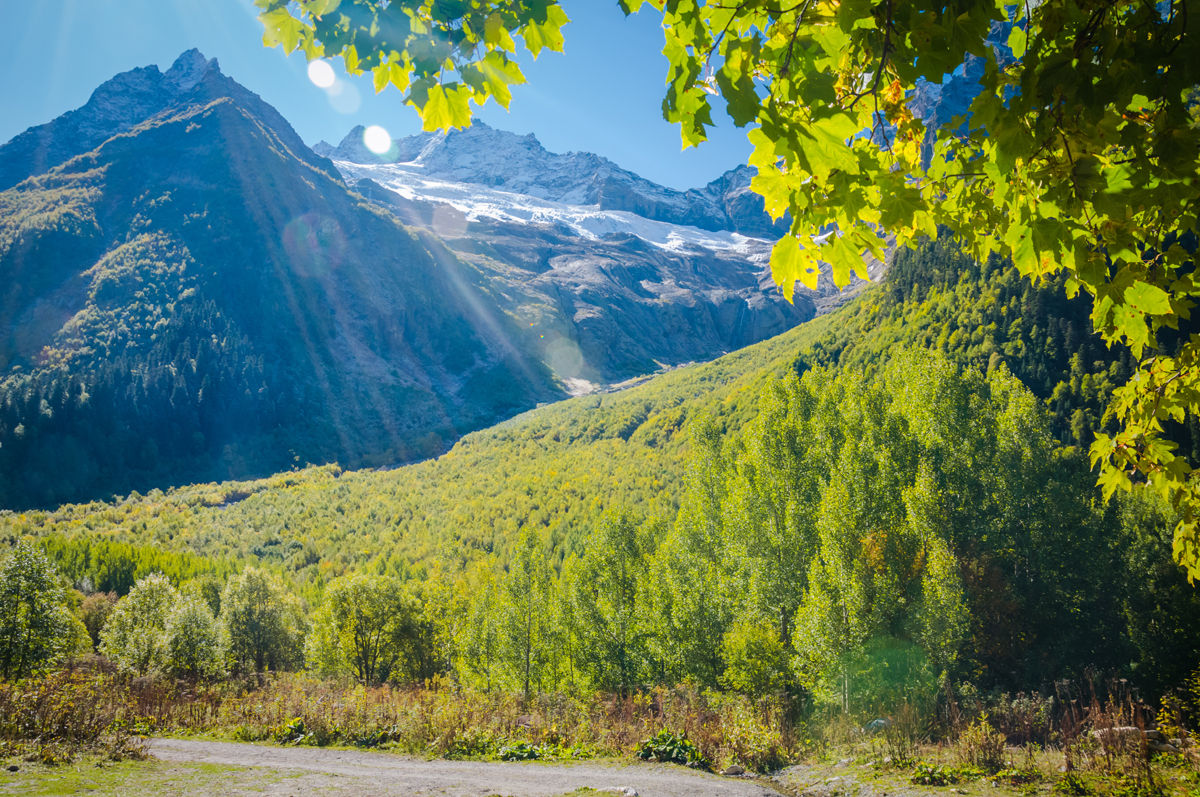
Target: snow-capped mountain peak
{"x": 483, "y": 155}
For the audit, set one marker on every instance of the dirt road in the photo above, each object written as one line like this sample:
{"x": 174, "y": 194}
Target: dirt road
{"x": 310, "y": 771}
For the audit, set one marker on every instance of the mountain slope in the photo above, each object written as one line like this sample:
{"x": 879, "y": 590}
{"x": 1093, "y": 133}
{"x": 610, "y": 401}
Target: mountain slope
{"x": 608, "y": 298}
{"x": 200, "y": 296}
{"x": 557, "y": 468}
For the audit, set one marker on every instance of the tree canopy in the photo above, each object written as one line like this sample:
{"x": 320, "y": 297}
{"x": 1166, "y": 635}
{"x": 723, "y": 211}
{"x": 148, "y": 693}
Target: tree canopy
{"x": 1079, "y": 151}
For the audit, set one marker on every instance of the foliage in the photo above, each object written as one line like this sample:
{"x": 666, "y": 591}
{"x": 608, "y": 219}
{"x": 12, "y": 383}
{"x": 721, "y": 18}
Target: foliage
{"x": 1088, "y": 169}
{"x": 36, "y": 629}
{"x": 133, "y": 635}
{"x": 368, "y": 626}
{"x": 606, "y": 601}
{"x": 672, "y": 748}
{"x": 94, "y": 611}
{"x": 264, "y": 622}
{"x": 934, "y": 775}
{"x": 521, "y": 751}
{"x": 982, "y": 746}
{"x": 440, "y": 56}
{"x": 557, "y": 469}
{"x": 195, "y": 643}
{"x": 756, "y": 659}
{"x": 961, "y": 527}
{"x": 96, "y": 563}
{"x": 526, "y": 616}
{"x": 67, "y": 711}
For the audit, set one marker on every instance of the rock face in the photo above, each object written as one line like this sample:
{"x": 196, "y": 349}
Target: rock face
{"x": 482, "y": 155}
{"x": 117, "y": 106}
{"x": 618, "y": 276}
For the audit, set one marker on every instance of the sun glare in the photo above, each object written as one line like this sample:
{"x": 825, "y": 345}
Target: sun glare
{"x": 321, "y": 73}
{"x": 377, "y": 139}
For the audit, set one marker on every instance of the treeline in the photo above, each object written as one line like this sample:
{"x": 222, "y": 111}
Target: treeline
{"x": 869, "y": 537}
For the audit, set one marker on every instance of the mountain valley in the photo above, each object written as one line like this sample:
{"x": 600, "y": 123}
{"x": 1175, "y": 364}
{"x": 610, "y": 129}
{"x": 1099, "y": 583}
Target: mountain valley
{"x": 196, "y": 294}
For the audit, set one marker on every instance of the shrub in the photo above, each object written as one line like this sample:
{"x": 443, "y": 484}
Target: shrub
{"x": 194, "y": 643}
{"x": 756, "y": 658}
{"x": 67, "y": 711}
{"x": 982, "y": 746}
{"x": 749, "y": 741}
{"x": 934, "y": 775}
{"x": 673, "y": 748}
{"x": 521, "y": 751}
{"x": 95, "y": 611}
{"x": 36, "y": 629}
{"x": 133, "y": 634}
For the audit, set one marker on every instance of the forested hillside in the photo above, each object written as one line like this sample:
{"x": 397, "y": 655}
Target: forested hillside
{"x": 882, "y": 455}
{"x": 201, "y": 297}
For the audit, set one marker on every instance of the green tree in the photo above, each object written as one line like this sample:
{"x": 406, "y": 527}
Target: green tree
{"x": 607, "y": 594}
{"x": 478, "y": 647}
{"x": 692, "y": 602}
{"x": 1078, "y": 153}
{"x": 133, "y": 635}
{"x": 368, "y": 626}
{"x": 773, "y": 494}
{"x": 195, "y": 644}
{"x": 527, "y": 623}
{"x": 36, "y": 630}
{"x": 264, "y": 622}
{"x": 95, "y": 611}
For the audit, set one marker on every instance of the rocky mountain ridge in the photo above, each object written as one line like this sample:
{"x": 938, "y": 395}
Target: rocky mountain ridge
{"x": 483, "y": 155}
{"x": 117, "y": 106}
{"x": 200, "y": 296}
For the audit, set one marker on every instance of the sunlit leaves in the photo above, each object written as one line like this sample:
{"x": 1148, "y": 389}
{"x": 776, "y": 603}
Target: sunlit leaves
{"x": 281, "y": 29}
{"x": 444, "y": 107}
{"x": 442, "y": 56}
{"x": 545, "y": 34}
{"x": 1147, "y": 298}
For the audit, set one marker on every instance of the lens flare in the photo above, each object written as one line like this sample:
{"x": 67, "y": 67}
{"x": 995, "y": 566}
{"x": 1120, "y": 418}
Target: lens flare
{"x": 321, "y": 73}
{"x": 377, "y": 139}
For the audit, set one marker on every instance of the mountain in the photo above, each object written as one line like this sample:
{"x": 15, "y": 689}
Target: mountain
{"x": 598, "y": 261}
{"x": 195, "y": 294}
{"x": 200, "y": 296}
{"x": 119, "y": 105}
{"x": 482, "y": 155}
{"x": 559, "y": 467}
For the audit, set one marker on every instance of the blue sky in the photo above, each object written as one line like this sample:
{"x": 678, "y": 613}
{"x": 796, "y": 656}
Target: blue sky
{"x": 603, "y": 95}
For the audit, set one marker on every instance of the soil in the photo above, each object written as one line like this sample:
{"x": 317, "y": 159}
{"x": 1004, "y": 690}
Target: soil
{"x": 331, "y": 771}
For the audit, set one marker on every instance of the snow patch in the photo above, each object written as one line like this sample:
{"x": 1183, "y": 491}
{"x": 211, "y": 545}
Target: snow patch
{"x": 479, "y": 202}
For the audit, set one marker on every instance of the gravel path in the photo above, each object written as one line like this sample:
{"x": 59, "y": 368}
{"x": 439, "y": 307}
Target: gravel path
{"x": 324, "y": 771}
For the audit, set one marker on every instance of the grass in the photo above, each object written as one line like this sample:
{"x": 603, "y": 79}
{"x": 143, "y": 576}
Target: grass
{"x": 95, "y": 776}
{"x": 865, "y": 770}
